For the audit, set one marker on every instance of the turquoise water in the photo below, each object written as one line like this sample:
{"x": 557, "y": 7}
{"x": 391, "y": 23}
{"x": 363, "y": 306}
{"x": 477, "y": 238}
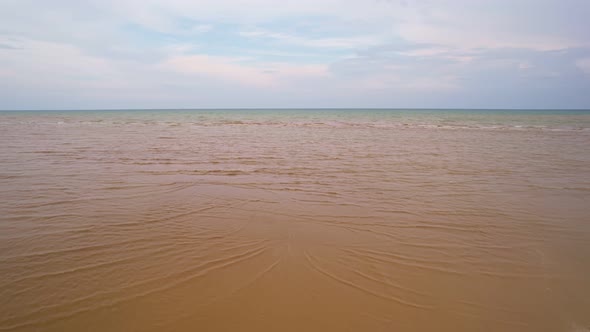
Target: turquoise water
{"x": 383, "y": 118}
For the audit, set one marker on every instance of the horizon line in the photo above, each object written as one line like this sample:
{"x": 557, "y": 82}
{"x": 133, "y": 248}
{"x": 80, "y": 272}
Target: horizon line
{"x": 294, "y": 108}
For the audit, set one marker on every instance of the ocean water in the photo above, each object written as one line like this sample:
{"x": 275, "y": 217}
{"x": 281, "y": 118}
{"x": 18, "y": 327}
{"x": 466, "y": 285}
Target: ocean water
{"x": 295, "y": 220}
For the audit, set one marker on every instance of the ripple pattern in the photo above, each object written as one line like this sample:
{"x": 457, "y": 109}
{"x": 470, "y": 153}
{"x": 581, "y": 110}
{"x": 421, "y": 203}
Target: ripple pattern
{"x": 295, "y": 220}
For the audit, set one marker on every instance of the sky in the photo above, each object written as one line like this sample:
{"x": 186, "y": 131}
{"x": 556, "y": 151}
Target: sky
{"x": 120, "y": 54}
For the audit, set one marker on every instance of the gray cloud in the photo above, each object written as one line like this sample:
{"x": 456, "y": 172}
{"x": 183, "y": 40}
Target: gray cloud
{"x": 437, "y": 53}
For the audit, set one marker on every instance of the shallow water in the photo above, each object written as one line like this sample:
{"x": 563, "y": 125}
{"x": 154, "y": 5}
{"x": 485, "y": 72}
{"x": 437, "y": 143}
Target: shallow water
{"x": 295, "y": 220}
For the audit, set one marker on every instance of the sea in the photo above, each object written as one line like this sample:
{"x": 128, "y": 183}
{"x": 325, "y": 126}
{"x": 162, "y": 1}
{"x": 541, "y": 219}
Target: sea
{"x": 295, "y": 220}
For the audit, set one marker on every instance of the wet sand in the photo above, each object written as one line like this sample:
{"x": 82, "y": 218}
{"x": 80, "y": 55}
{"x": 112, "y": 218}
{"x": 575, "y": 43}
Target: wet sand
{"x": 183, "y": 221}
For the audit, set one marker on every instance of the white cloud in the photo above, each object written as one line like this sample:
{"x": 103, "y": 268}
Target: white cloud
{"x": 250, "y": 11}
{"x": 401, "y": 83}
{"x": 219, "y": 67}
{"x": 538, "y": 24}
{"x": 135, "y": 50}
{"x": 202, "y": 28}
{"x": 238, "y": 70}
{"x": 38, "y": 62}
{"x": 333, "y": 42}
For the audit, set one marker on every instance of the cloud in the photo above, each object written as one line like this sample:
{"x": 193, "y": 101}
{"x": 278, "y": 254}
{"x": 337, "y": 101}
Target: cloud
{"x": 584, "y": 65}
{"x": 534, "y": 24}
{"x": 238, "y": 70}
{"x": 353, "y": 42}
{"x": 505, "y": 77}
{"x": 139, "y": 53}
{"x": 51, "y": 62}
{"x": 8, "y": 47}
{"x": 202, "y": 28}
{"x": 218, "y": 67}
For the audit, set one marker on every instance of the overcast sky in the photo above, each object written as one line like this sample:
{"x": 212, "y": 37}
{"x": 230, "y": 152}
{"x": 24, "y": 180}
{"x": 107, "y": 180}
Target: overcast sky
{"x": 70, "y": 54}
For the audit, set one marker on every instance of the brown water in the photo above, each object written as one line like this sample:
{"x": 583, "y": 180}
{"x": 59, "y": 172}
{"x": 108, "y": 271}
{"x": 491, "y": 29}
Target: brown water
{"x": 295, "y": 221}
